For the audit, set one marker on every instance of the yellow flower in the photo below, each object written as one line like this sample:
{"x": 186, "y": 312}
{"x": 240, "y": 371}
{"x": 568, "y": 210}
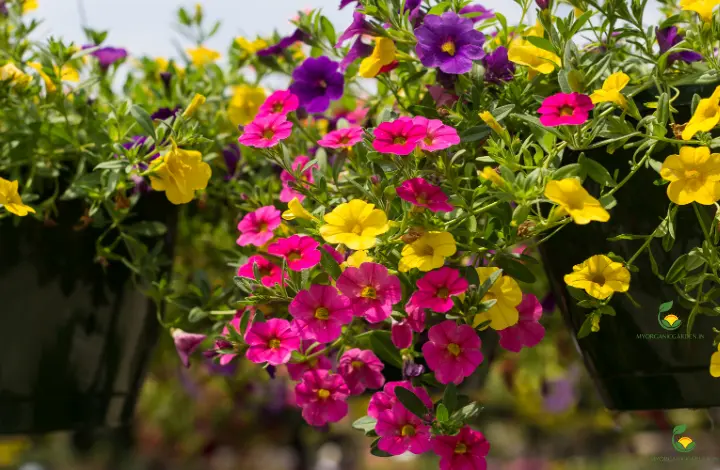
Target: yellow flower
{"x": 599, "y": 276}
{"x": 575, "y": 201}
{"x": 382, "y": 55}
{"x": 251, "y": 47}
{"x": 297, "y": 211}
{"x": 197, "y": 101}
{"x": 536, "y": 30}
{"x": 9, "y": 72}
{"x": 427, "y": 252}
{"x": 356, "y": 259}
{"x": 163, "y": 65}
{"x": 202, "y": 55}
{"x": 355, "y": 224}
{"x": 29, "y": 5}
{"x": 179, "y": 173}
{"x": 694, "y": 176}
{"x": 507, "y": 294}
{"x": 489, "y": 173}
{"x": 10, "y": 198}
{"x": 244, "y": 104}
{"x": 707, "y": 116}
{"x": 69, "y": 74}
{"x": 715, "y": 363}
{"x": 490, "y": 120}
{"x": 610, "y": 91}
{"x": 11, "y": 450}
{"x": 539, "y": 60}
{"x": 704, "y": 8}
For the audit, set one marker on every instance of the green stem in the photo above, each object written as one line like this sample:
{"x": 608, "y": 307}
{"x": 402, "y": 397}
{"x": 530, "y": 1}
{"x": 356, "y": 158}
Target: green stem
{"x": 630, "y": 175}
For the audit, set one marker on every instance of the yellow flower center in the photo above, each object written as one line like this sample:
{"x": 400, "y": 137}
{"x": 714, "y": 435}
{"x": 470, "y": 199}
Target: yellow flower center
{"x": 399, "y": 140}
{"x": 449, "y": 47}
{"x": 368, "y": 292}
{"x": 408, "y": 430}
{"x": 274, "y": 343}
{"x": 692, "y": 174}
{"x": 566, "y": 111}
{"x": 711, "y": 112}
{"x": 322, "y": 84}
{"x": 357, "y": 229}
{"x": 443, "y": 292}
{"x": 323, "y": 394}
{"x": 460, "y": 448}
{"x": 321, "y": 313}
{"x": 357, "y": 364}
{"x": 454, "y": 349}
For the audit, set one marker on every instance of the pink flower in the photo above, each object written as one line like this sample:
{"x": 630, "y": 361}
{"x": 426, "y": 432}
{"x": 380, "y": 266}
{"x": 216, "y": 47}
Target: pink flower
{"x": 287, "y": 194}
{"x": 300, "y": 252}
{"x": 527, "y": 331}
{"x": 320, "y": 313}
{"x": 400, "y": 431}
{"x": 272, "y": 342}
{"x": 401, "y": 335}
{"x": 436, "y": 287}
{"x": 453, "y": 351}
{"x": 337, "y": 256}
{"x": 342, "y": 138}
{"x": 399, "y": 137}
{"x": 322, "y": 395}
{"x": 320, "y": 362}
{"x": 257, "y": 227}
{"x": 438, "y": 136}
{"x": 186, "y": 343}
{"x": 280, "y": 102}
{"x": 441, "y": 96}
{"x": 565, "y": 109}
{"x": 464, "y": 451}
{"x": 270, "y": 273}
{"x": 223, "y": 344}
{"x": 421, "y": 193}
{"x": 361, "y": 370}
{"x": 382, "y": 401}
{"x": 266, "y": 131}
{"x": 371, "y": 290}
{"x": 416, "y": 316}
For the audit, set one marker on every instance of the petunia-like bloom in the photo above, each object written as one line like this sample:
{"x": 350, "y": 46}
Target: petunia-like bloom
{"x": 491, "y": 174}
{"x": 358, "y": 50}
{"x": 694, "y": 176}
{"x": 371, "y": 289}
{"x": 179, "y": 173}
{"x": 257, "y": 227}
{"x": 319, "y": 362}
{"x": 385, "y": 400}
{"x": 320, "y": 313}
{"x": 382, "y": 55}
{"x": 610, "y": 92}
{"x": 416, "y": 316}
{"x": 284, "y": 43}
{"x": 436, "y": 288}
{"x": 107, "y": 56}
{"x": 704, "y": 8}
{"x": 706, "y": 117}
{"x": 401, "y": 334}
{"x": 527, "y": 332}
{"x": 669, "y": 37}
{"x": 10, "y": 199}
{"x": 336, "y": 255}
{"x": 452, "y": 352}
{"x": 599, "y": 276}
{"x": 297, "y": 211}
{"x": 316, "y": 82}
{"x": 401, "y": 431}
{"x": 427, "y": 252}
{"x": 280, "y": 102}
{"x": 245, "y": 104}
{"x": 266, "y": 131}
{"x": 356, "y": 259}
{"x": 464, "y": 451}
{"x": 356, "y": 224}
{"x": 507, "y": 294}
{"x": 575, "y": 201}
{"x": 344, "y": 3}
{"x": 522, "y": 52}
{"x": 342, "y": 138}
{"x": 399, "y": 137}
{"x": 272, "y": 342}
{"x": 361, "y": 370}
{"x": 565, "y": 109}
{"x": 300, "y": 252}
{"x": 288, "y": 193}
{"x": 438, "y": 136}
{"x": 16, "y": 77}
{"x": 476, "y": 12}
{"x": 322, "y": 397}
{"x": 186, "y": 343}
{"x": 498, "y": 68}
{"x": 715, "y": 363}
{"x": 449, "y": 42}
{"x": 201, "y": 56}
{"x": 421, "y": 193}
{"x": 359, "y": 27}
{"x": 270, "y": 273}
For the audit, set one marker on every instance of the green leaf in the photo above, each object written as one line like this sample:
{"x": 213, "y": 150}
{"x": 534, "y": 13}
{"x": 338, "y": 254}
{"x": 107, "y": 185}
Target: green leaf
{"x": 111, "y": 165}
{"x": 679, "y": 429}
{"x": 467, "y": 412}
{"x": 515, "y": 268}
{"x": 330, "y": 264}
{"x": 596, "y": 171}
{"x": 677, "y": 270}
{"x": 196, "y": 314}
{"x": 411, "y": 401}
{"x": 471, "y": 276}
{"x": 381, "y": 344}
{"x": 450, "y": 399}
{"x": 374, "y": 450}
{"x": 665, "y": 307}
{"x": 586, "y": 327}
{"x": 441, "y": 413}
{"x": 608, "y": 201}
{"x": 488, "y": 283}
{"x": 144, "y": 120}
{"x": 542, "y": 43}
{"x": 440, "y": 8}
{"x": 567, "y": 171}
{"x": 328, "y": 29}
{"x": 148, "y": 229}
{"x": 365, "y": 424}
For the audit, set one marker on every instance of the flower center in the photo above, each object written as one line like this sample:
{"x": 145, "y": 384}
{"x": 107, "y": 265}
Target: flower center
{"x": 426, "y": 250}
{"x": 268, "y": 134}
{"x": 566, "y": 111}
{"x": 265, "y": 272}
{"x": 422, "y": 197}
{"x": 321, "y": 313}
{"x": 710, "y": 112}
{"x": 322, "y": 84}
{"x": 408, "y": 430}
{"x": 323, "y": 394}
{"x": 460, "y": 448}
{"x": 357, "y": 364}
{"x": 454, "y": 349}
{"x": 598, "y": 279}
{"x": 274, "y": 343}
{"x": 692, "y": 174}
{"x": 428, "y": 140}
{"x": 489, "y": 296}
{"x": 368, "y": 292}
{"x": 443, "y": 293}
{"x": 357, "y": 229}
{"x": 449, "y": 47}
{"x": 399, "y": 140}
{"x": 278, "y": 107}
{"x": 294, "y": 256}
{"x": 263, "y": 227}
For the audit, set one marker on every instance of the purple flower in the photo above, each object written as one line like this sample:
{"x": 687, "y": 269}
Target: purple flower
{"x": 3, "y": 8}
{"x": 449, "y": 42}
{"x": 669, "y": 37}
{"x": 477, "y": 13}
{"x": 416, "y": 15}
{"x": 186, "y": 343}
{"x": 141, "y": 185}
{"x": 559, "y": 394}
{"x": 344, "y": 3}
{"x": 231, "y": 154}
{"x": 412, "y": 369}
{"x": 543, "y": 4}
{"x": 359, "y": 50}
{"x": 498, "y": 68}
{"x": 165, "y": 113}
{"x": 316, "y": 82}
{"x": 358, "y": 26}
{"x": 107, "y": 56}
{"x": 284, "y": 43}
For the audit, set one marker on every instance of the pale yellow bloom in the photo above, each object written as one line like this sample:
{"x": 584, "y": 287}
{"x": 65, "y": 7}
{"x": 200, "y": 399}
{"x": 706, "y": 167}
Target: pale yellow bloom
{"x": 599, "y": 276}
{"x": 706, "y": 117}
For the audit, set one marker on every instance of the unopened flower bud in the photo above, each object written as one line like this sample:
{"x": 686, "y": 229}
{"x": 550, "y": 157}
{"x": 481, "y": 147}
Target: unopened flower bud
{"x": 197, "y": 101}
{"x": 543, "y": 4}
{"x": 526, "y": 229}
{"x": 402, "y": 335}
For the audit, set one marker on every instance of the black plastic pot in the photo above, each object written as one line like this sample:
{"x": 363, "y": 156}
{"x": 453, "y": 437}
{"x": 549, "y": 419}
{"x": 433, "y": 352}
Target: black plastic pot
{"x": 75, "y": 338}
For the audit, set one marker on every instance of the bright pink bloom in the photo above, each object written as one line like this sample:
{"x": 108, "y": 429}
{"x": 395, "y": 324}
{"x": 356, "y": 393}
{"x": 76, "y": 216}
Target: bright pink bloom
{"x": 527, "y": 332}
{"x": 438, "y": 136}
{"x": 280, "y": 102}
{"x": 453, "y": 351}
{"x": 266, "y": 131}
{"x": 361, "y": 369}
{"x": 436, "y": 287}
{"x": 565, "y": 109}
{"x": 300, "y": 252}
{"x": 401, "y": 335}
{"x": 257, "y": 227}
{"x": 272, "y": 342}
{"x": 322, "y": 395}
{"x": 186, "y": 343}
{"x": 371, "y": 290}
{"x": 270, "y": 273}
{"x": 321, "y": 362}
{"x": 421, "y": 193}
{"x": 400, "y": 431}
{"x": 288, "y": 193}
{"x": 464, "y": 451}
{"x": 399, "y": 137}
{"x": 337, "y": 256}
{"x": 342, "y": 138}
{"x": 416, "y": 316}
{"x": 320, "y": 313}
{"x": 382, "y": 401}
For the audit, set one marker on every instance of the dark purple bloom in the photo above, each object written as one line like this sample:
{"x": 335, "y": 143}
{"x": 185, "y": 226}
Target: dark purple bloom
{"x": 284, "y": 43}
{"x": 166, "y": 77}
{"x": 543, "y": 4}
{"x": 477, "y": 13}
{"x": 141, "y": 185}
{"x": 498, "y": 68}
{"x": 164, "y": 113}
{"x": 231, "y": 154}
{"x": 416, "y": 14}
{"x": 344, "y": 3}
{"x": 316, "y": 82}
{"x": 449, "y": 42}
{"x": 107, "y": 56}
{"x": 358, "y": 26}
{"x": 669, "y": 37}
{"x": 359, "y": 50}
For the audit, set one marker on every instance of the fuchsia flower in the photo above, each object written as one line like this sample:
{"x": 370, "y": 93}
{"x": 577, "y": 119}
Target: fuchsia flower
{"x": 453, "y": 351}
{"x": 342, "y": 138}
{"x": 416, "y": 316}
{"x": 436, "y": 287}
{"x": 400, "y": 431}
{"x": 287, "y": 194}
{"x": 222, "y": 344}
{"x": 400, "y": 136}
{"x": 438, "y": 136}
{"x": 266, "y": 131}
{"x": 320, "y": 313}
{"x": 361, "y": 369}
{"x": 565, "y": 109}
{"x": 383, "y": 401}
{"x": 281, "y": 102}
{"x": 322, "y": 395}
{"x": 270, "y": 273}
{"x": 272, "y": 342}
{"x": 371, "y": 289}
{"x": 337, "y": 256}
{"x": 257, "y": 227}
{"x": 423, "y": 194}
{"x": 300, "y": 252}
{"x": 401, "y": 335}
{"x": 186, "y": 343}
{"x": 464, "y": 451}
{"x": 320, "y": 362}
{"x": 527, "y": 332}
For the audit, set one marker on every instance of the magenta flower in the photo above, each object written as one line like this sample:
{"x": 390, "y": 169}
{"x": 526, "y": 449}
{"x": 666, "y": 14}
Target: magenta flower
{"x": 272, "y": 342}
{"x": 266, "y": 131}
{"x": 361, "y": 369}
{"x": 320, "y": 362}
{"x": 401, "y": 335}
{"x": 565, "y": 109}
{"x": 453, "y": 351}
{"x": 476, "y": 12}
{"x": 527, "y": 332}
{"x": 300, "y": 252}
{"x": 186, "y": 343}
{"x": 257, "y": 227}
{"x": 337, "y": 256}
{"x": 320, "y": 313}
{"x": 464, "y": 451}
{"x": 400, "y": 431}
{"x": 316, "y": 82}
{"x": 438, "y": 136}
{"x": 287, "y": 194}
{"x": 416, "y": 316}
{"x": 385, "y": 400}
{"x": 322, "y": 395}
{"x": 400, "y": 136}
{"x": 449, "y": 42}
{"x": 224, "y": 345}
{"x": 270, "y": 273}
{"x": 423, "y": 194}
{"x": 371, "y": 289}
{"x": 342, "y": 138}
{"x": 280, "y": 102}
{"x": 436, "y": 287}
